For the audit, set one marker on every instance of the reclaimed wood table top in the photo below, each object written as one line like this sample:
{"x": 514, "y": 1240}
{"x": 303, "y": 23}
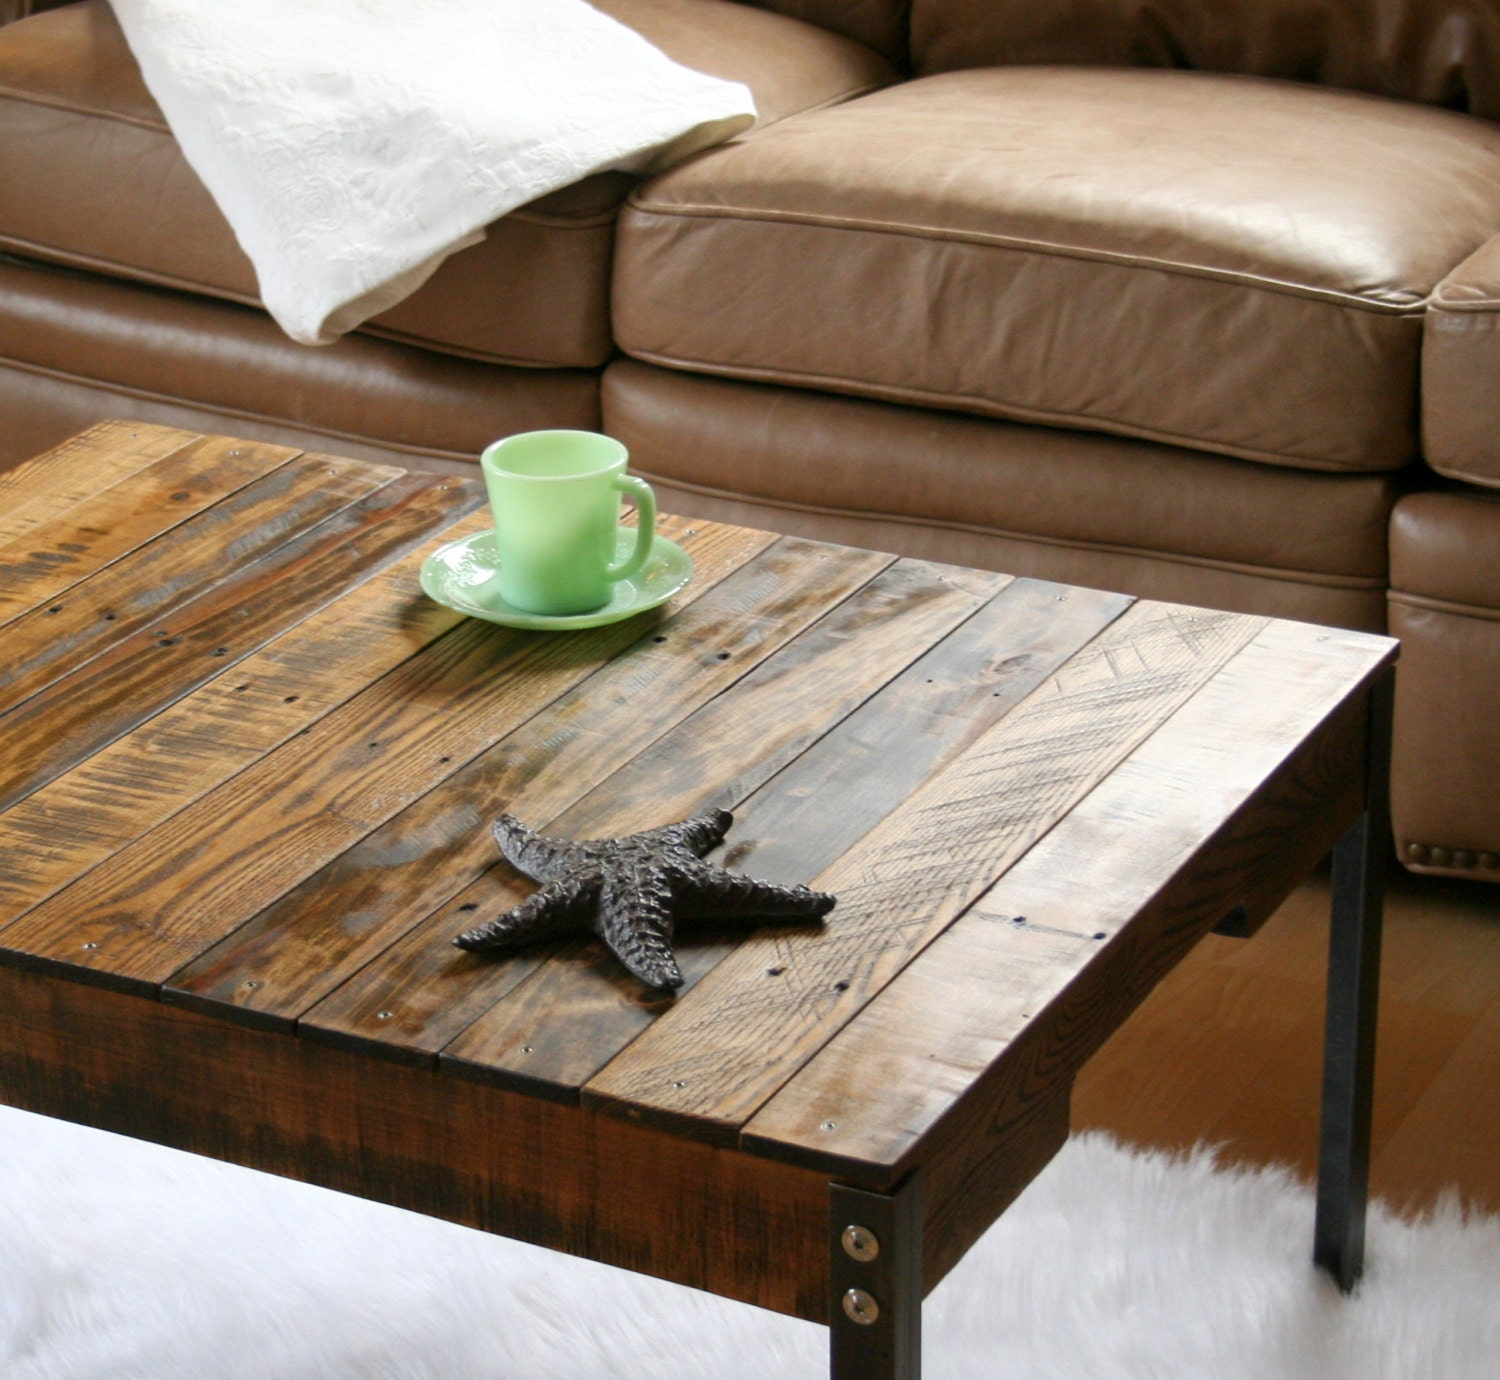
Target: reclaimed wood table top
{"x": 246, "y": 777}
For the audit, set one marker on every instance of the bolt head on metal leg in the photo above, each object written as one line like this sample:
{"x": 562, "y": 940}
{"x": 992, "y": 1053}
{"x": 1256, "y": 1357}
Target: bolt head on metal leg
{"x": 861, "y": 1307}
{"x": 860, "y": 1243}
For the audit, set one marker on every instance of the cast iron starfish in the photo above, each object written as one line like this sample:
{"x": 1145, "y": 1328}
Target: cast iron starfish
{"x": 632, "y": 891}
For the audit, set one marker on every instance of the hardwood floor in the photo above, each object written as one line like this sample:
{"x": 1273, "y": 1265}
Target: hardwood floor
{"x": 1228, "y": 1048}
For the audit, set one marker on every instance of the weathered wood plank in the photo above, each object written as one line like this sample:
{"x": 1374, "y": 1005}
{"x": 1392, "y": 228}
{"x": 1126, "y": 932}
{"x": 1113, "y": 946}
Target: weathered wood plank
{"x": 1250, "y": 781}
{"x": 745, "y": 1228}
{"x": 160, "y": 902}
{"x": 144, "y": 777}
{"x": 200, "y": 639}
{"x": 37, "y": 491}
{"x": 48, "y": 643}
{"x": 304, "y": 946}
{"x": 94, "y": 534}
{"x": 785, "y": 831}
{"x": 884, "y": 751}
{"x": 724, "y": 1048}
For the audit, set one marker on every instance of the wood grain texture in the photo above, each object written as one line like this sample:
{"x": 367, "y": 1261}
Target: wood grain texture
{"x": 323, "y": 932}
{"x": 160, "y": 902}
{"x": 570, "y": 1016}
{"x": 1055, "y": 955}
{"x": 718, "y": 1220}
{"x": 94, "y": 534}
{"x": 134, "y": 783}
{"x": 37, "y": 491}
{"x": 138, "y": 675}
{"x": 423, "y": 992}
{"x": 909, "y": 728}
{"x": 728, "y": 1045}
{"x": 913, "y": 727}
{"x": 48, "y": 643}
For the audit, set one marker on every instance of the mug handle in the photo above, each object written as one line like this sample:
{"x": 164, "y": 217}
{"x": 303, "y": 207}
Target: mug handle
{"x": 645, "y": 509}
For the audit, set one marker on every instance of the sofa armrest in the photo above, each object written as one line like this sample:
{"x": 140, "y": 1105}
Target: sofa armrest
{"x": 1461, "y": 371}
{"x": 19, "y": 9}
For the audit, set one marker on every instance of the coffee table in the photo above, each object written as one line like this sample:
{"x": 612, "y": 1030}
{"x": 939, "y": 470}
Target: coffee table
{"x": 246, "y": 777}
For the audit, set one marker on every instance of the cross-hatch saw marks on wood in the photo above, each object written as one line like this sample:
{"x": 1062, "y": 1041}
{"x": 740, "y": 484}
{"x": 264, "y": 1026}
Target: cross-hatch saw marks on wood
{"x": 914, "y": 727}
{"x": 94, "y": 534}
{"x": 160, "y": 902}
{"x": 144, "y": 777}
{"x": 37, "y": 491}
{"x": 536, "y": 772}
{"x": 519, "y": 1042}
{"x": 146, "y": 671}
{"x": 762, "y": 1013}
{"x": 47, "y": 643}
{"x": 939, "y": 1027}
{"x": 321, "y": 932}
{"x": 720, "y": 754}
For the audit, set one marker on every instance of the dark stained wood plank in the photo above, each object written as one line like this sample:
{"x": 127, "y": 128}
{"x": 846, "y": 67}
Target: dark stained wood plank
{"x": 37, "y": 491}
{"x": 160, "y": 902}
{"x": 48, "y": 643}
{"x": 884, "y": 751}
{"x": 144, "y": 777}
{"x": 729, "y": 1044}
{"x": 144, "y": 672}
{"x": 785, "y": 830}
{"x": 301, "y": 949}
{"x": 1243, "y": 788}
{"x": 94, "y": 534}
{"x": 719, "y": 1220}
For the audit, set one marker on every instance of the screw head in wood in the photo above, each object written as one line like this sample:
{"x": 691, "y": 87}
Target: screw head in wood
{"x": 860, "y": 1307}
{"x": 860, "y": 1243}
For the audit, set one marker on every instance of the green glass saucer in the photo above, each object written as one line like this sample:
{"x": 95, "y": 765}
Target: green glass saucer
{"x": 464, "y": 575}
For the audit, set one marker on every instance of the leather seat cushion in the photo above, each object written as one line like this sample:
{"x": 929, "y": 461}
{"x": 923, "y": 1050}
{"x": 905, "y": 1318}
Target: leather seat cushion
{"x": 1097, "y": 510}
{"x": 1461, "y": 371}
{"x": 78, "y": 334}
{"x": 1232, "y": 264}
{"x": 90, "y": 176}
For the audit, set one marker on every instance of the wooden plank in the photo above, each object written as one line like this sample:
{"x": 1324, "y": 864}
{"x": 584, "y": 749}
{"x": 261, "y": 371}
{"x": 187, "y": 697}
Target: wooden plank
{"x": 718, "y": 1220}
{"x": 888, "y": 748}
{"x": 163, "y": 900}
{"x": 724, "y": 1048}
{"x": 94, "y": 534}
{"x": 784, "y": 831}
{"x": 37, "y": 491}
{"x": 48, "y": 643}
{"x": 1262, "y": 767}
{"x": 144, "y": 672}
{"x": 134, "y": 783}
{"x": 301, "y": 949}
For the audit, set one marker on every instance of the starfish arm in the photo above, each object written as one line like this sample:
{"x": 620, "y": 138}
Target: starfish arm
{"x": 558, "y": 906}
{"x": 708, "y": 890}
{"x": 541, "y": 858}
{"x": 634, "y": 919}
{"x": 699, "y": 835}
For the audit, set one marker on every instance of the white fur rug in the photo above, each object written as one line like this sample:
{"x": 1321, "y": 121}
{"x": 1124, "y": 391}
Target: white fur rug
{"x": 123, "y": 1261}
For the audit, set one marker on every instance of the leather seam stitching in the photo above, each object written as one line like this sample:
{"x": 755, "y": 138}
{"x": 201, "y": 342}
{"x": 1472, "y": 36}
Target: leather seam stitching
{"x": 1320, "y": 579}
{"x": 130, "y": 391}
{"x": 986, "y": 407}
{"x": 1448, "y": 606}
{"x": 1413, "y": 305}
{"x": 76, "y": 108}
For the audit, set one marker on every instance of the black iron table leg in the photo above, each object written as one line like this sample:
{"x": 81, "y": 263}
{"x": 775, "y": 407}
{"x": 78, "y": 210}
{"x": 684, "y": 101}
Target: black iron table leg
{"x": 875, "y": 1278}
{"x": 1359, "y": 863}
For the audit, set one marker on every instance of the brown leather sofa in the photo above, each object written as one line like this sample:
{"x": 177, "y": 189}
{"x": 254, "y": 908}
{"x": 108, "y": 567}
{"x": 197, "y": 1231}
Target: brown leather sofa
{"x": 1198, "y": 299}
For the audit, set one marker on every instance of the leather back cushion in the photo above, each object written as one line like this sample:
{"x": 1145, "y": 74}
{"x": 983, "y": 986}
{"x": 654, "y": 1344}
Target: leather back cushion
{"x": 878, "y": 24}
{"x": 1440, "y": 52}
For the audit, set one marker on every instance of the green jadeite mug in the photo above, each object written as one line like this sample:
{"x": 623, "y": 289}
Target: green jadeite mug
{"x": 555, "y": 496}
